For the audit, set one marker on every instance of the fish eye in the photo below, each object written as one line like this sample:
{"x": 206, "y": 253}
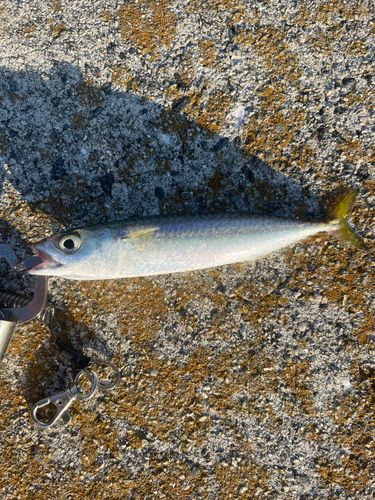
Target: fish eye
{"x": 70, "y": 243}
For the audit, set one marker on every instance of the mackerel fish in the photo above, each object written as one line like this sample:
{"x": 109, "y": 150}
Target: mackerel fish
{"x": 171, "y": 244}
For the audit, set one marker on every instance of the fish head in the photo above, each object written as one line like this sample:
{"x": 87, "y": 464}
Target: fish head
{"x": 75, "y": 254}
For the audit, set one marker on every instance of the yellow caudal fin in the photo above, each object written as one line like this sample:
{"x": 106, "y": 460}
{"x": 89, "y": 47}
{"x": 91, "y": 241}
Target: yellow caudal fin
{"x": 338, "y": 217}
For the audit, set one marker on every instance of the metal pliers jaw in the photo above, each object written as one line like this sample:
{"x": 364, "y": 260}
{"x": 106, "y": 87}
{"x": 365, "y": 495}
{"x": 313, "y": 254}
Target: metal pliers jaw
{"x": 11, "y": 316}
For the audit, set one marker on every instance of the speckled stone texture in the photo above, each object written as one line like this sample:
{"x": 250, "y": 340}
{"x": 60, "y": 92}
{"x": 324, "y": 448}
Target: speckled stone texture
{"x": 251, "y": 381}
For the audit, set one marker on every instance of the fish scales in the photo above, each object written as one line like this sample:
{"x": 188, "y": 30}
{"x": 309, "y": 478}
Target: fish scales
{"x": 181, "y": 244}
{"x": 161, "y": 245}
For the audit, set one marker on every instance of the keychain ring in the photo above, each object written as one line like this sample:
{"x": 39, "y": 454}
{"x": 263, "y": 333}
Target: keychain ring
{"x": 93, "y": 378}
{"x": 107, "y": 385}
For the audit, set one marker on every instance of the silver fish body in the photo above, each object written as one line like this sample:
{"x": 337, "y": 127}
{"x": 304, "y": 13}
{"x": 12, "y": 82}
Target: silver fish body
{"x": 181, "y": 244}
{"x": 172, "y": 244}
{"x": 160, "y": 245}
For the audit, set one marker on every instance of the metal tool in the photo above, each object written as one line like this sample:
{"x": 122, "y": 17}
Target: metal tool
{"x": 62, "y": 400}
{"x": 28, "y": 309}
{"x": 17, "y": 309}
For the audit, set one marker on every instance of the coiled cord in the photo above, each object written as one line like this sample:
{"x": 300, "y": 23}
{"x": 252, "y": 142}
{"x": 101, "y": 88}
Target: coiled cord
{"x": 11, "y": 299}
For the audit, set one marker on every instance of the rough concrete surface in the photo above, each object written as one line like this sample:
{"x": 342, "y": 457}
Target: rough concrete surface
{"x": 251, "y": 381}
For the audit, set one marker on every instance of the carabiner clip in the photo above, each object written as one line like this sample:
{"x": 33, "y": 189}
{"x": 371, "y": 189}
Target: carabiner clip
{"x": 63, "y": 400}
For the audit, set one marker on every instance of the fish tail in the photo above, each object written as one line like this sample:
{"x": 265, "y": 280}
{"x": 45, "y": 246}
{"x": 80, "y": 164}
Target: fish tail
{"x": 338, "y": 219}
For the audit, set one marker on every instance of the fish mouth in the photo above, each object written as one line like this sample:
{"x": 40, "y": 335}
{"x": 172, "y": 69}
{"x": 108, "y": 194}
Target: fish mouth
{"x": 47, "y": 261}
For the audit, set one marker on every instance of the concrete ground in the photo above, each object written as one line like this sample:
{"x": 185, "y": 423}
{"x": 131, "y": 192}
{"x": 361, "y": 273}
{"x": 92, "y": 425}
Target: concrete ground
{"x": 251, "y": 381}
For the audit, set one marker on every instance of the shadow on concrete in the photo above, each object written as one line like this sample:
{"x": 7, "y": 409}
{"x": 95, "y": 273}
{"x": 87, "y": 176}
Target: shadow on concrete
{"x": 82, "y": 155}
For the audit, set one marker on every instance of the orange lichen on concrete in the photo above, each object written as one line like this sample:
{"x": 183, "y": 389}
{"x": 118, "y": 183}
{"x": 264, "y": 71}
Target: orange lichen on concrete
{"x": 303, "y": 16}
{"x": 216, "y": 182}
{"x": 272, "y": 128}
{"x": 4, "y": 140}
{"x": 30, "y": 221}
{"x": 268, "y": 42}
{"x": 58, "y": 30}
{"x": 353, "y": 414}
{"x": 295, "y": 376}
{"x": 364, "y": 98}
{"x": 25, "y": 459}
{"x": 185, "y": 70}
{"x": 208, "y": 51}
{"x": 272, "y": 133}
{"x": 36, "y": 356}
{"x": 106, "y": 16}
{"x": 212, "y": 117}
{"x": 28, "y": 30}
{"x": 352, "y": 149}
{"x": 168, "y": 476}
{"x": 147, "y": 25}
{"x": 61, "y": 205}
{"x": 121, "y": 75}
{"x": 324, "y": 10}
{"x": 78, "y": 120}
{"x": 104, "y": 436}
{"x": 208, "y": 115}
{"x": 321, "y": 41}
{"x": 56, "y": 6}
{"x": 174, "y": 204}
{"x": 303, "y": 156}
{"x": 173, "y": 122}
{"x": 133, "y": 159}
{"x": 246, "y": 479}
{"x": 257, "y": 303}
{"x": 172, "y": 93}
{"x": 342, "y": 277}
{"x": 235, "y": 8}
{"x": 130, "y": 306}
{"x": 358, "y": 48}
{"x": 338, "y": 272}
{"x": 89, "y": 94}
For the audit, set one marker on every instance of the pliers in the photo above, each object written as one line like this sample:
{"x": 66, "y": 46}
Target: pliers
{"x": 10, "y": 316}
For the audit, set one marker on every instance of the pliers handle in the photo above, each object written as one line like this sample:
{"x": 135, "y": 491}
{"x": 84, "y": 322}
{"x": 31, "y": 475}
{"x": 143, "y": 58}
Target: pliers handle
{"x": 37, "y": 303}
{"x": 11, "y": 316}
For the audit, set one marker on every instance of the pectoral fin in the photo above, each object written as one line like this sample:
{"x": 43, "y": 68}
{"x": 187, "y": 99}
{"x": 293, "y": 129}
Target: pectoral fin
{"x": 139, "y": 238}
